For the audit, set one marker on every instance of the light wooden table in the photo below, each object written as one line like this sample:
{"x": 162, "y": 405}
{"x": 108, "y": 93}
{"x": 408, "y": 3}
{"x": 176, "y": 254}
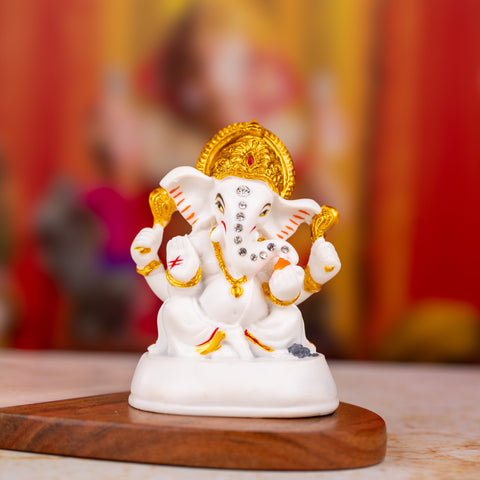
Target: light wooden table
{"x": 432, "y": 415}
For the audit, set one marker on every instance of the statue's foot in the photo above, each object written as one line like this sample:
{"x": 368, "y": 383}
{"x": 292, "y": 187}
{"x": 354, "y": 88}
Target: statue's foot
{"x": 225, "y": 352}
{"x": 182, "y": 259}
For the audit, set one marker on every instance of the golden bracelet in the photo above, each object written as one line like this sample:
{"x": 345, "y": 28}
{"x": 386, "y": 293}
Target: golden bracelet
{"x": 275, "y": 300}
{"x": 309, "y": 284}
{"x": 177, "y": 283}
{"x": 148, "y": 269}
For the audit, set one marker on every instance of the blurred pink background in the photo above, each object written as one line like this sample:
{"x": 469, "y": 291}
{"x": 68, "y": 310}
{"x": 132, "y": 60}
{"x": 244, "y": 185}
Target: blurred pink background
{"x": 377, "y": 101}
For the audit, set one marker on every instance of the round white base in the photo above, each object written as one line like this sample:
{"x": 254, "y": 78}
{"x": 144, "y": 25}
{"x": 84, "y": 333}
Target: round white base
{"x": 234, "y": 388}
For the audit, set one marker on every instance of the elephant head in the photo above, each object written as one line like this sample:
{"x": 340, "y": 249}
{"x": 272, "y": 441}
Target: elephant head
{"x": 249, "y": 221}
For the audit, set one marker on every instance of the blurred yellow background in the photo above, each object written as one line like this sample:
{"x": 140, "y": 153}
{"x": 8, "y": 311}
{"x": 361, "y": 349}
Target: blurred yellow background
{"x": 377, "y": 102}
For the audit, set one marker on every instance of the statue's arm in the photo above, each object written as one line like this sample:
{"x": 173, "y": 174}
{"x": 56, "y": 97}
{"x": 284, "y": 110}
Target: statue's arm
{"x": 144, "y": 251}
{"x": 322, "y": 266}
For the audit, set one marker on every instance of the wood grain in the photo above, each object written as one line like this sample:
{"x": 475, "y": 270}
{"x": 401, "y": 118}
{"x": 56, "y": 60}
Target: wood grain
{"x": 106, "y": 427}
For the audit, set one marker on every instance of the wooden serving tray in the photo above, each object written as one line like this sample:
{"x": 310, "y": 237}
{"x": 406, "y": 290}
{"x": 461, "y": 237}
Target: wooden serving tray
{"x": 106, "y": 427}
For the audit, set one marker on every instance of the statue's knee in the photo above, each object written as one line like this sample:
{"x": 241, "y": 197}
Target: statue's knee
{"x": 175, "y": 312}
{"x": 290, "y": 316}
{"x": 168, "y": 311}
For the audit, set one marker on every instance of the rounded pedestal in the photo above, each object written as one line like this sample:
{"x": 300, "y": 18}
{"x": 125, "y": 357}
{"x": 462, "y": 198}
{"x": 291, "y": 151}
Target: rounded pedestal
{"x": 234, "y": 388}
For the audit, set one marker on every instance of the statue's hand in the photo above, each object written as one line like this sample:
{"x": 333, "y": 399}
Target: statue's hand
{"x": 286, "y": 284}
{"x": 145, "y": 246}
{"x": 182, "y": 259}
{"x": 324, "y": 262}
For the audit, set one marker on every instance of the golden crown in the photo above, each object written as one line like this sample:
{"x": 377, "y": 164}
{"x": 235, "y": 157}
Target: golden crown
{"x": 248, "y": 150}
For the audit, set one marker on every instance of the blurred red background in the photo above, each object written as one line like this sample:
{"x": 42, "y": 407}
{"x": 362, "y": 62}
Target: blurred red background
{"x": 378, "y": 103}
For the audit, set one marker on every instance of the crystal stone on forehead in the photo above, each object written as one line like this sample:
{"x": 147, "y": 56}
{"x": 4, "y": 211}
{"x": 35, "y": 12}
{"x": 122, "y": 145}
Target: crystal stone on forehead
{"x": 238, "y": 227}
{"x": 242, "y": 205}
{"x": 240, "y": 216}
{"x": 285, "y": 249}
{"x": 242, "y": 252}
{"x": 271, "y": 247}
{"x": 243, "y": 191}
{"x": 253, "y": 257}
{"x": 263, "y": 255}
{"x": 237, "y": 239}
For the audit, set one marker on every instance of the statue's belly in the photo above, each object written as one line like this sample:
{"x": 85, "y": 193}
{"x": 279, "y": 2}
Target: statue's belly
{"x": 221, "y": 306}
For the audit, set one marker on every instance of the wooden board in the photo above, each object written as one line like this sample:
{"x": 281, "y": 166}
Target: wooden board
{"x": 106, "y": 427}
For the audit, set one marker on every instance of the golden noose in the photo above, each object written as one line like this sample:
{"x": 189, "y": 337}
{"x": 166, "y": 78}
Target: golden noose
{"x": 321, "y": 223}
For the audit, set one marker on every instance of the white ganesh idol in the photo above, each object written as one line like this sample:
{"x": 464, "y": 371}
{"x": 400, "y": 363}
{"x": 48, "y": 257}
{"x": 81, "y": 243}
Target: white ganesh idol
{"x": 231, "y": 339}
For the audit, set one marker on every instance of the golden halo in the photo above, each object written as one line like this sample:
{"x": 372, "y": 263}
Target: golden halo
{"x": 248, "y": 150}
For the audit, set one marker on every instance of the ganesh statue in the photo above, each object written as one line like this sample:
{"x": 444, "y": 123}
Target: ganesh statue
{"x": 231, "y": 338}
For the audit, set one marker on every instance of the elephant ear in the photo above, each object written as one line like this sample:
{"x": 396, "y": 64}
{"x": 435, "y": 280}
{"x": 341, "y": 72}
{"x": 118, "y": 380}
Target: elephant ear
{"x": 287, "y": 215}
{"x": 190, "y": 190}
